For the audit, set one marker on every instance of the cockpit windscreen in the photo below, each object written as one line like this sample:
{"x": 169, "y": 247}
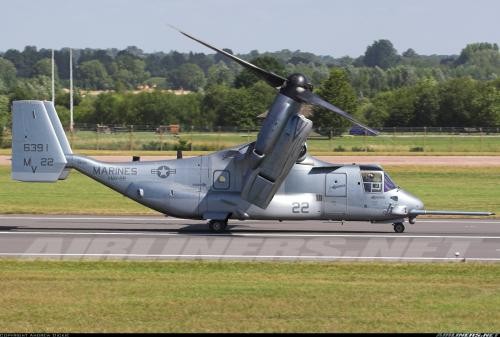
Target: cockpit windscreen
{"x": 388, "y": 183}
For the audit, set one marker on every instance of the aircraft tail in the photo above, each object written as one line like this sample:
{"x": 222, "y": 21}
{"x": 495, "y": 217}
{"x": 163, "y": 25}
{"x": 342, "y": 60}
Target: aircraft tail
{"x": 39, "y": 144}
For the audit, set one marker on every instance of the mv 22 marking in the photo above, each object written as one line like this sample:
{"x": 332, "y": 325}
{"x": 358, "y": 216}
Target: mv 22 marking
{"x": 298, "y": 207}
{"x": 37, "y": 147}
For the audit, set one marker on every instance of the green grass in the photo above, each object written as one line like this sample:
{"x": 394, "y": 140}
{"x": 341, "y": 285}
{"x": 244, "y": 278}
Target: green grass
{"x": 210, "y": 141}
{"x": 76, "y": 195}
{"x": 221, "y": 140}
{"x": 112, "y": 296}
{"x": 451, "y": 188}
{"x": 137, "y": 140}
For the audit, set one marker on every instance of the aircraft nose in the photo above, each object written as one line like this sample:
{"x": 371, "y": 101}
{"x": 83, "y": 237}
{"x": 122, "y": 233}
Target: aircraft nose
{"x": 411, "y": 201}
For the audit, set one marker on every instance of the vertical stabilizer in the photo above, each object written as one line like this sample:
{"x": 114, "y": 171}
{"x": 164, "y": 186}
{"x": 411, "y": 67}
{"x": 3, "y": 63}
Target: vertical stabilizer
{"x": 37, "y": 154}
{"x": 61, "y": 136}
{"x": 58, "y": 128}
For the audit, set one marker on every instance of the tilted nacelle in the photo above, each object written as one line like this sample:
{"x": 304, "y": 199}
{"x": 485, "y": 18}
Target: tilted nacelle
{"x": 276, "y": 150}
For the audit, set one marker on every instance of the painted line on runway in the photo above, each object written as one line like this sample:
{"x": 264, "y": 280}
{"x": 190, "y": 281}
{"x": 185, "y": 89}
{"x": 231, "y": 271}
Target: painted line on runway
{"x": 297, "y": 257}
{"x": 92, "y": 218}
{"x": 234, "y": 235}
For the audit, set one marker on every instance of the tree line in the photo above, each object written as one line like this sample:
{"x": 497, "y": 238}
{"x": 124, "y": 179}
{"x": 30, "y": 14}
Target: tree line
{"x": 380, "y": 87}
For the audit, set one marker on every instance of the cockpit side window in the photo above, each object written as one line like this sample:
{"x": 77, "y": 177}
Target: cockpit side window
{"x": 388, "y": 183}
{"x": 372, "y": 181}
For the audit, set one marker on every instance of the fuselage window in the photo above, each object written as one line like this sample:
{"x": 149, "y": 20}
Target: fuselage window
{"x": 388, "y": 183}
{"x": 372, "y": 181}
{"x": 221, "y": 180}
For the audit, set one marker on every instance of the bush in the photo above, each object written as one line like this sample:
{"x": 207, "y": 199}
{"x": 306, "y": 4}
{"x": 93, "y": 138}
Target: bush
{"x": 182, "y": 145}
{"x": 5, "y": 138}
{"x": 158, "y": 146}
{"x": 362, "y": 149}
{"x": 417, "y": 149}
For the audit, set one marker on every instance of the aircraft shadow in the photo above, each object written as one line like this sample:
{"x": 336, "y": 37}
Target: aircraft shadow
{"x": 8, "y": 228}
{"x": 189, "y": 229}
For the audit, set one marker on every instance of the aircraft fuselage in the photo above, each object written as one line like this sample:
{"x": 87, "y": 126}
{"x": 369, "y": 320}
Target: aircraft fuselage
{"x": 209, "y": 187}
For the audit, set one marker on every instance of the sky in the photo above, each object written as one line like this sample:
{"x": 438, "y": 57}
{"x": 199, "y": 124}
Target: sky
{"x": 323, "y": 27}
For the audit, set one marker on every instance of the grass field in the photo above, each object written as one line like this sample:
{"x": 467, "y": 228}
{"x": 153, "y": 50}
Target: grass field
{"x": 112, "y": 296}
{"x": 216, "y": 141}
{"x": 450, "y": 188}
{"x": 385, "y": 143}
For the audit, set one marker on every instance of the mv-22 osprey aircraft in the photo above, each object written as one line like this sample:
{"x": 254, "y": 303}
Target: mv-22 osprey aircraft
{"x": 273, "y": 178}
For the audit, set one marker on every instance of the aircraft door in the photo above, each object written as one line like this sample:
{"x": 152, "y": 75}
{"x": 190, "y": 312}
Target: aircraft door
{"x": 335, "y": 194}
{"x": 203, "y": 184}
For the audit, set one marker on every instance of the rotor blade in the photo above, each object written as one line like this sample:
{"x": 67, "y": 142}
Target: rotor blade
{"x": 271, "y": 78}
{"x": 308, "y": 97}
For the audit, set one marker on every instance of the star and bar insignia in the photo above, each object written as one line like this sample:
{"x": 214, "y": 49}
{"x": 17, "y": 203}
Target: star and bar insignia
{"x": 163, "y": 171}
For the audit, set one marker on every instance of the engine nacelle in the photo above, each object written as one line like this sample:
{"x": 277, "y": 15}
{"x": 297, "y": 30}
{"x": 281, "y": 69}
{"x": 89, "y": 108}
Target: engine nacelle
{"x": 282, "y": 108}
{"x": 264, "y": 180}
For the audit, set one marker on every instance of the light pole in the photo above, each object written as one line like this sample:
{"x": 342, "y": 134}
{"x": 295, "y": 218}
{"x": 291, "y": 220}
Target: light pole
{"x": 71, "y": 91}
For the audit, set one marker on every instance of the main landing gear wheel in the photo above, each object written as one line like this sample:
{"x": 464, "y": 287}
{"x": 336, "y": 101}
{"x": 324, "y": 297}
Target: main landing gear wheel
{"x": 217, "y": 226}
{"x": 399, "y": 227}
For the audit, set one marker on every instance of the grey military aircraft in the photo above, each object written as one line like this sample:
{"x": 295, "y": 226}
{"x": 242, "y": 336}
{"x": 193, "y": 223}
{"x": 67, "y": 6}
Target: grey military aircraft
{"x": 272, "y": 178}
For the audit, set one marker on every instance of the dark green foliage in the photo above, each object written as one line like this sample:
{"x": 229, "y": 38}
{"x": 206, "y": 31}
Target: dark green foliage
{"x": 7, "y": 75}
{"x": 220, "y": 73}
{"x": 381, "y": 54}
{"x": 62, "y": 98}
{"x": 188, "y": 76}
{"x": 93, "y": 75}
{"x": 43, "y": 68}
{"x": 237, "y": 107}
{"x": 457, "y": 102}
{"x": 389, "y": 90}
{"x": 410, "y": 53}
{"x": 337, "y": 90}
{"x": 231, "y": 106}
{"x": 471, "y": 51}
{"x": 129, "y": 70}
{"x": 5, "y": 116}
{"x": 425, "y": 104}
{"x": 247, "y": 78}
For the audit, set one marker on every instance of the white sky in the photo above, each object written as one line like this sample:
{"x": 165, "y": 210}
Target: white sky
{"x": 325, "y": 27}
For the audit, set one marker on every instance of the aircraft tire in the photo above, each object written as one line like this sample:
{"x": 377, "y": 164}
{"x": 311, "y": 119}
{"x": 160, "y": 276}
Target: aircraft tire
{"x": 217, "y": 226}
{"x": 399, "y": 227}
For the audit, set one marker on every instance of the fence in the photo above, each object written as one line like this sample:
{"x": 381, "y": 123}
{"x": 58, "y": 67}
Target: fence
{"x": 111, "y": 128}
{"x": 166, "y": 138}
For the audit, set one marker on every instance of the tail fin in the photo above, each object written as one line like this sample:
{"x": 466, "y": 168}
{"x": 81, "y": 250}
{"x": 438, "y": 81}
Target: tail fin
{"x": 38, "y": 142}
{"x": 61, "y": 136}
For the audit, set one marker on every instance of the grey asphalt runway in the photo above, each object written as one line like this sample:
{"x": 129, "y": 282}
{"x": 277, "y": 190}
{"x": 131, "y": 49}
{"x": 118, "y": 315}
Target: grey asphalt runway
{"x": 165, "y": 238}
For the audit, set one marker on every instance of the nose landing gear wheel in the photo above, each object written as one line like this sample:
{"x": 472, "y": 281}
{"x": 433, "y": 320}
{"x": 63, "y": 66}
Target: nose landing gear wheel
{"x": 399, "y": 227}
{"x": 217, "y": 226}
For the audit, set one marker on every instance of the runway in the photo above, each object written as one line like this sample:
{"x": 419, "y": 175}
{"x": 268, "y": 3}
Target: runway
{"x": 165, "y": 238}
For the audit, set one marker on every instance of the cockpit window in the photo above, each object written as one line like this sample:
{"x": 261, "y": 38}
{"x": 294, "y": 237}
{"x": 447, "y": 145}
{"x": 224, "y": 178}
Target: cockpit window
{"x": 372, "y": 181}
{"x": 388, "y": 183}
